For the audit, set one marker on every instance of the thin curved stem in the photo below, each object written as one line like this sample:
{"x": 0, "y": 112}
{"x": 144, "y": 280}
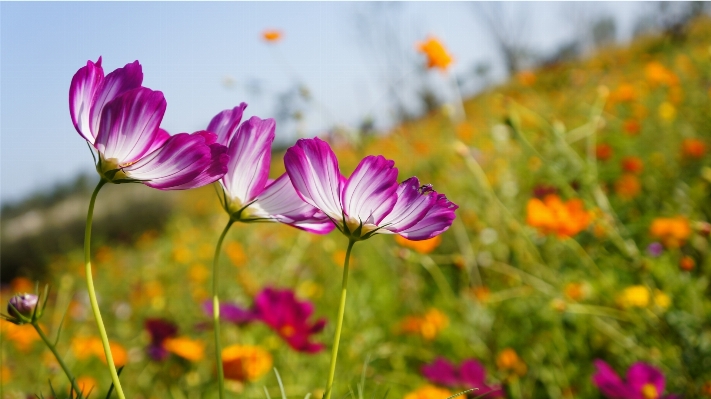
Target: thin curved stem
{"x": 64, "y": 367}
{"x": 92, "y": 293}
{"x": 216, "y": 311}
{"x": 339, "y": 325}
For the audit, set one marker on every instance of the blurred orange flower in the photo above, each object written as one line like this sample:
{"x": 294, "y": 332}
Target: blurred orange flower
{"x": 186, "y": 348}
{"x": 632, "y": 164}
{"x": 428, "y": 326}
{"x": 21, "y": 285}
{"x": 672, "y": 232}
{"x": 574, "y": 291}
{"x": 553, "y": 216}
{"x": 658, "y": 74}
{"x": 508, "y": 359}
{"x": 526, "y": 78}
{"x": 628, "y": 186}
{"x": 423, "y": 246}
{"x": 632, "y": 127}
{"x": 429, "y": 392}
{"x": 693, "y": 148}
{"x": 23, "y": 336}
{"x": 687, "y": 263}
{"x": 437, "y": 56}
{"x": 272, "y": 35}
{"x": 86, "y": 384}
{"x": 624, "y": 93}
{"x": 85, "y": 347}
{"x": 245, "y": 363}
{"x": 603, "y": 151}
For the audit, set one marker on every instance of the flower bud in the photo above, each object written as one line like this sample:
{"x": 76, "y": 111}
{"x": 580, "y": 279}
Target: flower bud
{"x": 22, "y": 305}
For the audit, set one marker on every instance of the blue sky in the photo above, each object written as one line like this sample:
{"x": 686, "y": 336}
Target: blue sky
{"x": 190, "y": 50}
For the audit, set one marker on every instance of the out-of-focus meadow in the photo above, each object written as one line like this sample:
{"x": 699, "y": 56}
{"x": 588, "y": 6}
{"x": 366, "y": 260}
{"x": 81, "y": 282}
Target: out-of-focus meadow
{"x": 582, "y": 233}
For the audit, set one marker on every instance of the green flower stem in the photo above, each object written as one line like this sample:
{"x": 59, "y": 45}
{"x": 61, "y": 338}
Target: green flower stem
{"x": 51, "y": 347}
{"x": 216, "y": 311}
{"x": 92, "y": 293}
{"x": 341, "y": 312}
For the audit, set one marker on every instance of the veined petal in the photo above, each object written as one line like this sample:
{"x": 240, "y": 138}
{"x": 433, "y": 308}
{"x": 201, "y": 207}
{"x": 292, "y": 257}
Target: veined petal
{"x": 411, "y": 206}
{"x": 180, "y": 163}
{"x": 436, "y": 221}
{"x": 129, "y": 125}
{"x": 225, "y": 124}
{"x": 281, "y": 202}
{"x": 313, "y": 169}
{"x": 158, "y": 140}
{"x": 82, "y": 91}
{"x": 214, "y": 170}
{"x": 250, "y": 154}
{"x": 114, "y": 84}
{"x": 369, "y": 194}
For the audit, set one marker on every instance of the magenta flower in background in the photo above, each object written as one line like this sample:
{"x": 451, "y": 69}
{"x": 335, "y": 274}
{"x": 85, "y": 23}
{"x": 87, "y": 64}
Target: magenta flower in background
{"x": 282, "y": 312}
{"x": 370, "y": 201}
{"x": 643, "y": 382}
{"x": 469, "y": 375}
{"x": 121, "y": 120}
{"x": 248, "y": 193}
{"x": 159, "y": 330}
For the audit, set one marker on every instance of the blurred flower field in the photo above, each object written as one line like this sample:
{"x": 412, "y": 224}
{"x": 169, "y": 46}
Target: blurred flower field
{"x": 580, "y": 251}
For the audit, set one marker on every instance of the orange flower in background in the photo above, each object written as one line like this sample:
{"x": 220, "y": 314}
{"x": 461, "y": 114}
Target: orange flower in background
{"x": 437, "y": 56}
{"x": 22, "y": 336}
{"x": 687, "y": 263}
{"x": 186, "y": 348}
{"x": 672, "y": 232}
{"x": 693, "y": 148}
{"x": 422, "y": 246}
{"x": 658, "y": 74}
{"x": 574, "y": 291}
{"x": 632, "y": 127}
{"x": 429, "y": 392}
{"x": 428, "y": 326}
{"x": 603, "y": 151}
{"x": 526, "y": 78}
{"x": 245, "y": 363}
{"x": 86, "y": 384}
{"x": 86, "y": 347}
{"x": 553, "y": 216}
{"x": 628, "y": 186}
{"x": 624, "y": 93}
{"x": 508, "y": 359}
{"x": 632, "y": 164}
{"x": 21, "y": 285}
{"x": 272, "y": 35}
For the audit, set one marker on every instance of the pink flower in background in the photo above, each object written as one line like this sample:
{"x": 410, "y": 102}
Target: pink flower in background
{"x": 280, "y": 310}
{"x": 248, "y": 193}
{"x": 370, "y": 201}
{"x": 643, "y": 382}
{"x": 469, "y": 375}
{"x": 159, "y": 330}
{"x": 121, "y": 120}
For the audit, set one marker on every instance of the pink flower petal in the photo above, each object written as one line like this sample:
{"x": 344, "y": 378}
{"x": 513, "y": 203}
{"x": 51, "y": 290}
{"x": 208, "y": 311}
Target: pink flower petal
{"x": 641, "y": 374}
{"x": 609, "y": 383}
{"x": 313, "y": 169}
{"x": 82, "y": 91}
{"x": 225, "y": 124}
{"x": 114, "y": 84}
{"x": 183, "y": 162}
{"x": 369, "y": 194}
{"x": 435, "y": 222}
{"x": 411, "y": 206}
{"x": 250, "y": 155}
{"x": 129, "y": 125}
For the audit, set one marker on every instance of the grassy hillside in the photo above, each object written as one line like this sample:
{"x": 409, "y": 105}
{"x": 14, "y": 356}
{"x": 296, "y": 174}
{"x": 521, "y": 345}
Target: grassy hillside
{"x": 582, "y": 234}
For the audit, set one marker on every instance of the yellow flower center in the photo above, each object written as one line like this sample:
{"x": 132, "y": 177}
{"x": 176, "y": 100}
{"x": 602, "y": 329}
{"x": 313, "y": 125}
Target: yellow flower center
{"x": 287, "y": 331}
{"x": 649, "y": 391}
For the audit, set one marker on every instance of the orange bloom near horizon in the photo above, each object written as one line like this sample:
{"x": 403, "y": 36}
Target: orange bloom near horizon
{"x": 632, "y": 164}
{"x": 437, "y": 56}
{"x": 693, "y": 148}
{"x": 429, "y": 392}
{"x": 672, "y": 232}
{"x": 272, "y": 35}
{"x": 553, "y": 216}
{"x": 603, "y": 151}
{"x": 422, "y": 246}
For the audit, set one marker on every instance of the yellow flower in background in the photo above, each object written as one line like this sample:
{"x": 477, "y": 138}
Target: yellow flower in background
{"x": 422, "y": 246}
{"x": 429, "y": 392}
{"x": 672, "y": 232}
{"x": 661, "y": 299}
{"x": 427, "y": 326}
{"x": 186, "y": 348}
{"x": 634, "y": 296}
{"x": 245, "y": 363}
{"x": 667, "y": 111}
{"x": 437, "y": 56}
{"x": 272, "y": 35}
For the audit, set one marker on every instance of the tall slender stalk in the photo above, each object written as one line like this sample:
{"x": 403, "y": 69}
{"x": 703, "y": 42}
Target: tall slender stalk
{"x": 92, "y": 293}
{"x": 64, "y": 367}
{"x": 339, "y": 325}
{"x": 216, "y": 311}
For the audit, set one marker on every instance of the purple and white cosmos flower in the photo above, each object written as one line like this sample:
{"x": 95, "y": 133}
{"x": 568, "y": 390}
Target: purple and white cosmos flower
{"x": 370, "y": 201}
{"x": 248, "y": 193}
{"x": 643, "y": 382}
{"x": 121, "y": 120}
